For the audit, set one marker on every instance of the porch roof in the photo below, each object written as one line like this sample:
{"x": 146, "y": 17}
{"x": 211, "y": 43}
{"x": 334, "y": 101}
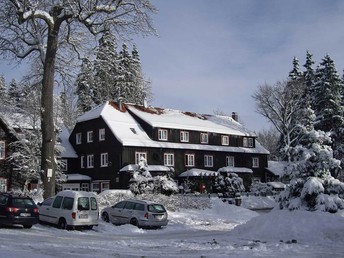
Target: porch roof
{"x": 196, "y": 172}
{"x": 235, "y": 170}
{"x": 135, "y": 167}
{"x": 78, "y": 177}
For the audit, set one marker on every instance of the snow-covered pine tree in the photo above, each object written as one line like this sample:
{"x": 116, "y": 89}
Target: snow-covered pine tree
{"x": 14, "y": 92}
{"x": 105, "y": 70}
{"x": 311, "y": 185}
{"x": 327, "y": 105}
{"x": 84, "y": 83}
{"x": 230, "y": 182}
{"x": 308, "y": 77}
{"x": 3, "y": 92}
{"x": 126, "y": 78}
{"x": 142, "y": 90}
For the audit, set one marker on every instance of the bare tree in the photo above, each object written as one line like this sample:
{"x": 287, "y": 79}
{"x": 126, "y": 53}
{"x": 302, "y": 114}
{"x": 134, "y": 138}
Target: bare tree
{"x": 280, "y": 104}
{"x": 49, "y": 30}
{"x": 270, "y": 140}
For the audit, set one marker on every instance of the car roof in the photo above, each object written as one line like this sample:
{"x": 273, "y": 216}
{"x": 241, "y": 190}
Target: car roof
{"x": 141, "y": 201}
{"x": 16, "y": 195}
{"x": 70, "y": 193}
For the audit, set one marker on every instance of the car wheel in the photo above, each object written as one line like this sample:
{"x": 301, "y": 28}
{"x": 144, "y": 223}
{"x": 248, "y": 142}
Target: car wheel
{"x": 134, "y": 222}
{"x": 62, "y": 224}
{"x": 105, "y": 217}
{"x": 27, "y": 226}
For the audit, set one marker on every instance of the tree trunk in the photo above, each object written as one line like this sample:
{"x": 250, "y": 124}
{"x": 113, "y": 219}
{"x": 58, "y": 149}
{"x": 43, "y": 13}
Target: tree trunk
{"x": 47, "y": 119}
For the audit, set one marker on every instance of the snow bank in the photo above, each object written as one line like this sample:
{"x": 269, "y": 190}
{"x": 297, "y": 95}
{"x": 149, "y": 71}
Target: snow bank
{"x": 302, "y": 226}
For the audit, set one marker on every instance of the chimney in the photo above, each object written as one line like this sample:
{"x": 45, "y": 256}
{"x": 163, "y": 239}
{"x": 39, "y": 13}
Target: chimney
{"x": 120, "y": 103}
{"x": 235, "y": 116}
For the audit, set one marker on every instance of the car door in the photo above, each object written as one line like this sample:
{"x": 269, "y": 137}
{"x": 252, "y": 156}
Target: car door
{"x": 3, "y": 204}
{"x": 116, "y": 213}
{"x": 44, "y": 210}
{"x": 127, "y": 212}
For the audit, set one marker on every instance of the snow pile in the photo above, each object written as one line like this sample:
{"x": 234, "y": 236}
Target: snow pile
{"x": 302, "y": 226}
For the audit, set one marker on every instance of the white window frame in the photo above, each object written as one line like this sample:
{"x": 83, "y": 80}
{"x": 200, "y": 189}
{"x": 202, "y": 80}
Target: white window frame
{"x": 64, "y": 165}
{"x": 224, "y": 139}
{"x": 204, "y": 138}
{"x": 208, "y": 161}
{"x": 104, "y": 159}
{"x": 189, "y": 160}
{"x": 139, "y": 155}
{"x": 78, "y": 138}
{"x": 162, "y": 135}
{"x": 90, "y": 161}
{"x": 2, "y": 150}
{"x": 184, "y": 136}
{"x": 169, "y": 159}
{"x": 250, "y": 142}
{"x": 230, "y": 161}
{"x": 90, "y": 136}
{"x": 244, "y": 142}
{"x": 255, "y": 162}
{"x": 102, "y": 134}
{"x": 82, "y": 161}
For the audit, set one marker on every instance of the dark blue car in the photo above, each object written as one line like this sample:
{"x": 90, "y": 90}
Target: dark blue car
{"x": 16, "y": 209}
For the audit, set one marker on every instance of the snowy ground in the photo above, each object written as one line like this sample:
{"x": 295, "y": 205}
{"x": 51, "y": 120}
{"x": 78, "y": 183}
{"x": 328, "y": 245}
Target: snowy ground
{"x": 223, "y": 231}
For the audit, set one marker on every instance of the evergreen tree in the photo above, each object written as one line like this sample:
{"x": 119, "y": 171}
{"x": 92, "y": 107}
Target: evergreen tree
{"x": 3, "y": 93}
{"x": 105, "y": 70}
{"x": 85, "y": 82}
{"x": 308, "y": 76}
{"x": 327, "y": 104}
{"x": 311, "y": 186}
{"x": 125, "y": 79}
{"x": 14, "y": 92}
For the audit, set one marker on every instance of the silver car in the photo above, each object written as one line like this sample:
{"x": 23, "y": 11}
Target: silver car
{"x": 145, "y": 214}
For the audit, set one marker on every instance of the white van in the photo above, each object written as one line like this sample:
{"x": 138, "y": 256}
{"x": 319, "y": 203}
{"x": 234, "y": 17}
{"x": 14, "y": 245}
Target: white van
{"x": 70, "y": 209}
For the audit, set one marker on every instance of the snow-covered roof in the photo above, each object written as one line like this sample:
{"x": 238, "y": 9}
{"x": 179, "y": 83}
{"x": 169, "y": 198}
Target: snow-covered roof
{"x": 198, "y": 173}
{"x": 130, "y": 133}
{"x": 135, "y": 167}
{"x": 277, "y": 167}
{"x": 18, "y": 120}
{"x": 78, "y": 177}
{"x": 277, "y": 185}
{"x": 235, "y": 170}
{"x": 68, "y": 150}
{"x": 176, "y": 119}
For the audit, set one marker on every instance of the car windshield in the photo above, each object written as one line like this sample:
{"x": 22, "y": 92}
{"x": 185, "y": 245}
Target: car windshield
{"x": 156, "y": 208}
{"x": 22, "y": 203}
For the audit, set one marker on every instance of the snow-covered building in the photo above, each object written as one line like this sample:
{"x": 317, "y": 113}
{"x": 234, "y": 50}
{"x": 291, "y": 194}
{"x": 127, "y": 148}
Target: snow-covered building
{"x": 12, "y": 128}
{"x": 112, "y": 136}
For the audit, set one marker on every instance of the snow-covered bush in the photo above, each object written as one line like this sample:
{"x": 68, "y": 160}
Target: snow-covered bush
{"x": 142, "y": 182}
{"x": 262, "y": 189}
{"x": 229, "y": 183}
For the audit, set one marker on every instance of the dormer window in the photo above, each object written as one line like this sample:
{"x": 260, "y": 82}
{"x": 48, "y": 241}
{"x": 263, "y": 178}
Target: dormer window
{"x": 184, "y": 136}
{"x": 162, "y": 135}
{"x": 224, "y": 140}
{"x": 250, "y": 142}
{"x": 204, "y": 138}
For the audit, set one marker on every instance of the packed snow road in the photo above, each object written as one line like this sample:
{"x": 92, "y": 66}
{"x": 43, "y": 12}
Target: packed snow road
{"x": 222, "y": 231}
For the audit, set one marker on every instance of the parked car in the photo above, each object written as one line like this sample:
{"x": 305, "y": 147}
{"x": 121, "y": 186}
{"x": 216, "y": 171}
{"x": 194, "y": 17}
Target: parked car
{"x": 140, "y": 213}
{"x": 18, "y": 209}
{"x": 70, "y": 209}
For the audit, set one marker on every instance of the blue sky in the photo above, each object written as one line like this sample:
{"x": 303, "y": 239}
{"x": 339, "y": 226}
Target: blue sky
{"x": 212, "y": 55}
